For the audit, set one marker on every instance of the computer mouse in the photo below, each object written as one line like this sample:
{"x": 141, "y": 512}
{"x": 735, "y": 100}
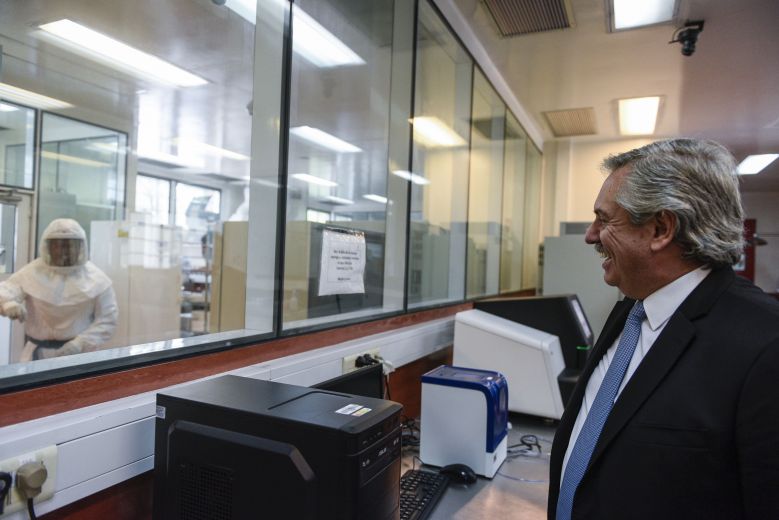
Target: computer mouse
{"x": 459, "y": 473}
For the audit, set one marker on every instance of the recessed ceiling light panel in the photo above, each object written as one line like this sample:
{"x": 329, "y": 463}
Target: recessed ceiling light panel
{"x": 323, "y": 139}
{"x": 119, "y": 55}
{"x": 432, "y": 132}
{"x": 313, "y": 179}
{"x": 638, "y": 116}
{"x": 409, "y": 176}
{"x": 29, "y": 98}
{"x": 756, "y": 163}
{"x": 630, "y": 14}
{"x": 375, "y": 198}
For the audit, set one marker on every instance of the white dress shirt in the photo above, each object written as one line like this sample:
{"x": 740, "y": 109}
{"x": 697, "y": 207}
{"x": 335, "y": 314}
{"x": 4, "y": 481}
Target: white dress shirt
{"x": 659, "y": 306}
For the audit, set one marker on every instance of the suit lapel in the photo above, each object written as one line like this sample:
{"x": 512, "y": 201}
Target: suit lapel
{"x": 676, "y": 337}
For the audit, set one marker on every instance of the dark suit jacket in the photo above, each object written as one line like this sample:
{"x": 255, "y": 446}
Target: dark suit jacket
{"x": 695, "y": 432}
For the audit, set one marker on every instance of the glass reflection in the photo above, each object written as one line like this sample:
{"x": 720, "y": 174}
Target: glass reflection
{"x": 439, "y": 180}
{"x": 17, "y": 134}
{"x": 532, "y": 227}
{"x": 338, "y": 155}
{"x": 488, "y": 122}
{"x": 150, "y": 156}
{"x": 82, "y": 172}
{"x": 511, "y": 249}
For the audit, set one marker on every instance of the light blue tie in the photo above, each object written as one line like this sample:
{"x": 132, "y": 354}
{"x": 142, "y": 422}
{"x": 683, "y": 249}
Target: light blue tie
{"x": 599, "y": 412}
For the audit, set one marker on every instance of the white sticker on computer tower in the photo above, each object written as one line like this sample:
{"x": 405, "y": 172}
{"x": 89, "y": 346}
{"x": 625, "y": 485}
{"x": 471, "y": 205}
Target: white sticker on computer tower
{"x": 361, "y": 411}
{"x": 349, "y": 409}
{"x": 160, "y": 412}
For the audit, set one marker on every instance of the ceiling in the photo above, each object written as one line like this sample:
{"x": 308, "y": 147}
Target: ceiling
{"x": 726, "y": 91}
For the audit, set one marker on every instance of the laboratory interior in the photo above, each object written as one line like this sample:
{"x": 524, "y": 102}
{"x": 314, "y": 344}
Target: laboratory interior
{"x": 220, "y": 217}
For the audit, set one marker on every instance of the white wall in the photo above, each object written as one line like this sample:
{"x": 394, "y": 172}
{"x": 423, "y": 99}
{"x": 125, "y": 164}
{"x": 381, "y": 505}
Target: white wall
{"x": 765, "y": 208}
{"x": 578, "y": 177}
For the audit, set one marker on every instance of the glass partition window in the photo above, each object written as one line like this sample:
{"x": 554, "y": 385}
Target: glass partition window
{"x": 439, "y": 173}
{"x": 488, "y": 123}
{"x": 407, "y": 183}
{"x": 197, "y": 210}
{"x": 511, "y": 249}
{"x": 82, "y": 172}
{"x": 169, "y": 108}
{"x": 532, "y": 230}
{"x": 17, "y": 134}
{"x": 152, "y": 199}
{"x": 336, "y": 214}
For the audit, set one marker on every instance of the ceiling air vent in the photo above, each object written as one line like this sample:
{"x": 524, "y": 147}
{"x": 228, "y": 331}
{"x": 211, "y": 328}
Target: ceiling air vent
{"x": 571, "y": 122}
{"x": 515, "y": 17}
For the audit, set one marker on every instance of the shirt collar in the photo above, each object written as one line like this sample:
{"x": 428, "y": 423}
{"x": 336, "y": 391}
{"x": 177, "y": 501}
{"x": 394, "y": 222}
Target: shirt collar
{"x": 662, "y": 303}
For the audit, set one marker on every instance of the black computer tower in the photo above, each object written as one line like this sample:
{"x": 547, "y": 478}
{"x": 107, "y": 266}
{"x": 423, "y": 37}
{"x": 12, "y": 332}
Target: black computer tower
{"x": 236, "y": 448}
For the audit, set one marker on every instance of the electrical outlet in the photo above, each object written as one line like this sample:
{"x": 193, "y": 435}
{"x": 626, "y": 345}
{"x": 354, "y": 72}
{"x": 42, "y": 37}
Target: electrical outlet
{"x": 349, "y": 361}
{"x": 48, "y": 455}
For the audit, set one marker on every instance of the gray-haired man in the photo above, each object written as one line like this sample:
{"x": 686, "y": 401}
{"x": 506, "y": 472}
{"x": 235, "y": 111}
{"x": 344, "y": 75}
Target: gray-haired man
{"x": 676, "y": 414}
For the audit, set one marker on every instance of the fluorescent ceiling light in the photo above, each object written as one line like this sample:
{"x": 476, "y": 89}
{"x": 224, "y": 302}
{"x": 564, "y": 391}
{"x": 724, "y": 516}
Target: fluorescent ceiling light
{"x": 214, "y": 150}
{"x": 246, "y": 9}
{"x": 638, "y": 116}
{"x": 318, "y": 45}
{"x": 413, "y": 177}
{"x": 628, "y": 14}
{"x": 169, "y": 159}
{"x": 26, "y": 97}
{"x": 107, "y": 148}
{"x": 73, "y": 159}
{"x": 755, "y": 163}
{"x": 323, "y": 139}
{"x": 376, "y": 198}
{"x": 310, "y": 40}
{"x": 119, "y": 55}
{"x": 338, "y": 200}
{"x": 312, "y": 179}
{"x": 7, "y": 108}
{"x": 431, "y": 131}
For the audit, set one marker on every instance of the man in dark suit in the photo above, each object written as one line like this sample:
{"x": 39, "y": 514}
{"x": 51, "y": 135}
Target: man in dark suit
{"x": 676, "y": 414}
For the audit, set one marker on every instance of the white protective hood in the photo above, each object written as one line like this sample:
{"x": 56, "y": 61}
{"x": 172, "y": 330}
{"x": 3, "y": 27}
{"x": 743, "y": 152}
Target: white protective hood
{"x": 62, "y": 285}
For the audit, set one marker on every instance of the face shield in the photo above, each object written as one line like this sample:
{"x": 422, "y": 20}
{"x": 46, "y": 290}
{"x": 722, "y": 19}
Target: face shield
{"x": 64, "y": 244}
{"x": 64, "y": 252}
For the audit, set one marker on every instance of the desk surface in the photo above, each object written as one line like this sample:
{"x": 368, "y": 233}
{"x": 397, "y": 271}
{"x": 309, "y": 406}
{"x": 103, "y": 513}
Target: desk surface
{"x": 519, "y": 489}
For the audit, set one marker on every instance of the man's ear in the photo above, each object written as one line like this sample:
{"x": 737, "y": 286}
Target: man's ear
{"x": 664, "y": 223}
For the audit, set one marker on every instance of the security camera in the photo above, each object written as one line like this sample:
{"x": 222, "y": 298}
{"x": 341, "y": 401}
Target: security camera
{"x": 688, "y": 36}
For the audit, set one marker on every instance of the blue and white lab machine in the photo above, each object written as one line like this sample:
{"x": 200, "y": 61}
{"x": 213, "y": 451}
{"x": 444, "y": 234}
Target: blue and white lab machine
{"x": 464, "y": 418}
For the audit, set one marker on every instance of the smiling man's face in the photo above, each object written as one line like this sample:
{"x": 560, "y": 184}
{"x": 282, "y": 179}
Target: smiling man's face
{"x": 624, "y": 246}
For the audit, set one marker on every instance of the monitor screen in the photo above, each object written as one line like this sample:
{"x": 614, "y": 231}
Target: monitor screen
{"x": 365, "y": 381}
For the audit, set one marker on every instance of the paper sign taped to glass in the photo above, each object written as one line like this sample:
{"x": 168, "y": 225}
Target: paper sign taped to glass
{"x": 343, "y": 262}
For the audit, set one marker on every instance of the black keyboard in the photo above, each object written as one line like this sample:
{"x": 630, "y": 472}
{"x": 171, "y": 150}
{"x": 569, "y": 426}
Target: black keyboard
{"x": 420, "y": 491}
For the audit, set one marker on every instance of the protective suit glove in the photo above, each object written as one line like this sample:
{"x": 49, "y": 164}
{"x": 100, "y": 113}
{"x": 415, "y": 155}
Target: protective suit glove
{"x": 14, "y": 310}
{"x": 69, "y": 348}
{"x": 27, "y": 352}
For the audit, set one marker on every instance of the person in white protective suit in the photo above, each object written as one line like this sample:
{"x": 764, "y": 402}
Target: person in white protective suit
{"x": 66, "y": 302}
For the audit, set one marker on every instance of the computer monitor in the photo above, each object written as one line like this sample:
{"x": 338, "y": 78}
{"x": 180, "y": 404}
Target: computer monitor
{"x": 530, "y": 359}
{"x": 367, "y": 381}
{"x": 561, "y": 315}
